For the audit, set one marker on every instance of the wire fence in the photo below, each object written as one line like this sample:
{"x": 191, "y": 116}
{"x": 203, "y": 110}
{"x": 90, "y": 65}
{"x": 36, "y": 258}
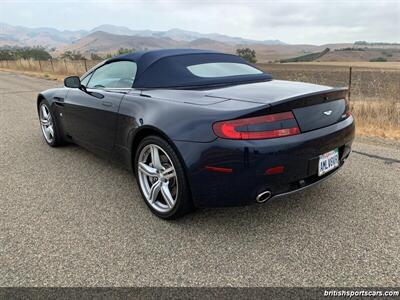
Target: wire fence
{"x": 53, "y": 66}
{"x": 364, "y": 83}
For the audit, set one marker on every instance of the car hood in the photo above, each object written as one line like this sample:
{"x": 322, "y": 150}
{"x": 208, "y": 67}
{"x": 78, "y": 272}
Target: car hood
{"x": 267, "y": 92}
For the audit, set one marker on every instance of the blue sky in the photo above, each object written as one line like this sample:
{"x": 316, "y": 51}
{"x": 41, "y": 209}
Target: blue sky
{"x": 315, "y": 22}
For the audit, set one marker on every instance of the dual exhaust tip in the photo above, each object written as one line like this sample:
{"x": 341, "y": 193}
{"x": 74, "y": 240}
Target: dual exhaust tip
{"x": 263, "y": 197}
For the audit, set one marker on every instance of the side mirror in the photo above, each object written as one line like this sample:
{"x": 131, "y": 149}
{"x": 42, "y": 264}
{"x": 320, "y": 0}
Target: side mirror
{"x": 72, "y": 82}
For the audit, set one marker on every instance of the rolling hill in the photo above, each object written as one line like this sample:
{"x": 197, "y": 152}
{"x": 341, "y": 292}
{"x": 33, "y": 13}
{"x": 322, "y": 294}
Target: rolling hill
{"x": 50, "y": 37}
{"x": 107, "y": 38}
{"x": 45, "y": 37}
{"x": 103, "y": 43}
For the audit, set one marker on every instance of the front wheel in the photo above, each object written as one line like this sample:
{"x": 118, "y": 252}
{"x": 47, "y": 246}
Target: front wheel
{"x": 161, "y": 178}
{"x": 48, "y": 125}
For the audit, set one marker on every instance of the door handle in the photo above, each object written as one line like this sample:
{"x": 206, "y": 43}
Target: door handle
{"x": 106, "y": 103}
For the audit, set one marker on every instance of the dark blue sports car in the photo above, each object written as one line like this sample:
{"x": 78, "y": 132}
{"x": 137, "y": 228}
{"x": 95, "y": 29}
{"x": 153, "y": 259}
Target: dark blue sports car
{"x": 201, "y": 128}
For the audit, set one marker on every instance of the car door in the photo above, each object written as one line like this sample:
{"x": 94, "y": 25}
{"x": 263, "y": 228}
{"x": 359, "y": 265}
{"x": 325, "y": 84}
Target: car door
{"x": 91, "y": 116}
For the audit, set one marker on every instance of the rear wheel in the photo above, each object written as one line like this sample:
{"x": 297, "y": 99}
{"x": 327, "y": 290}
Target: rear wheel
{"x": 161, "y": 178}
{"x": 48, "y": 125}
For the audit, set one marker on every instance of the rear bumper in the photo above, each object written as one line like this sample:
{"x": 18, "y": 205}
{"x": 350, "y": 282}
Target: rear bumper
{"x": 249, "y": 160}
{"x": 310, "y": 182}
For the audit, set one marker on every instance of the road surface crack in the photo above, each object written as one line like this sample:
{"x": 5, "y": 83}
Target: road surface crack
{"x": 387, "y": 160}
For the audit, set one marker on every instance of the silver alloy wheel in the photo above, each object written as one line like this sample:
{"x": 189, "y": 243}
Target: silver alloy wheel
{"x": 46, "y": 123}
{"x": 157, "y": 178}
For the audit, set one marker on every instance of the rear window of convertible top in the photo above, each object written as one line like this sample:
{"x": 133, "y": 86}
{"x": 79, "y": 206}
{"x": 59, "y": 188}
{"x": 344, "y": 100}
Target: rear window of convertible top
{"x": 222, "y": 69}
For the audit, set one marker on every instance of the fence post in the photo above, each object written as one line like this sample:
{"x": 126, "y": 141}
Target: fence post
{"x": 52, "y": 66}
{"x": 65, "y": 64}
{"x": 85, "y": 65}
{"x": 40, "y": 66}
{"x": 350, "y": 74}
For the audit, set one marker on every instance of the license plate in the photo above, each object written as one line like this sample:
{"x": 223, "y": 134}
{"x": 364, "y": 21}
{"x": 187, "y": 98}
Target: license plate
{"x": 328, "y": 162}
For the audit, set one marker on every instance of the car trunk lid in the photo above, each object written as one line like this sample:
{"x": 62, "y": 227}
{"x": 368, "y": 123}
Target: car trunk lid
{"x": 320, "y": 115}
{"x": 267, "y": 92}
{"x": 314, "y": 106}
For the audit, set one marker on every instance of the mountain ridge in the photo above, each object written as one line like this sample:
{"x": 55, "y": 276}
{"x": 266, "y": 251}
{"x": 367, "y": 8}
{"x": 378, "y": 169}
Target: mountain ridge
{"x": 108, "y": 39}
{"x": 104, "y": 43}
{"x": 54, "y": 38}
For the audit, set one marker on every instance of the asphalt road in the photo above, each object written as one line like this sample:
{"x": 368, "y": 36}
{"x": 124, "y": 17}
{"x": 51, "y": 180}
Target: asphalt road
{"x": 69, "y": 218}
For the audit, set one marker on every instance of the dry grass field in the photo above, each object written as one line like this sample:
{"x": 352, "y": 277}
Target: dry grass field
{"x": 375, "y": 90}
{"x": 367, "y": 82}
{"x": 393, "y": 65}
{"x": 375, "y": 86}
{"x": 377, "y": 118}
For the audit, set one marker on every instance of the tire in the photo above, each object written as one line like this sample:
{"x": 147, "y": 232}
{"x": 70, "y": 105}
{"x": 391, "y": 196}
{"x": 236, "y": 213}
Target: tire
{"x": 156, "y": 177}
{"x": 49, "y": 126}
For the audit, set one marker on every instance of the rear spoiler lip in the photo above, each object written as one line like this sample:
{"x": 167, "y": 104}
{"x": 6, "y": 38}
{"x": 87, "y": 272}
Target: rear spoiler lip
{"x": 330, "y": 94}
{"x": 312, "y": 98}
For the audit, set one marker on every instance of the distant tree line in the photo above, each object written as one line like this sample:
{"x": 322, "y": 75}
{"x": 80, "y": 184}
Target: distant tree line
{"x": 14, "y": 53}
{"x": 378, "y": 59}
{"x": 351, "y": 49}
{"x": 40, "y": 53}
{"x": 77, "y": 55}
{"x": 375, "y": 43}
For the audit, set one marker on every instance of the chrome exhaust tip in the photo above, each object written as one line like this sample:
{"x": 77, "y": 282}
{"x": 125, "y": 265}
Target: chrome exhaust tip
{"x": 264, "y": 196}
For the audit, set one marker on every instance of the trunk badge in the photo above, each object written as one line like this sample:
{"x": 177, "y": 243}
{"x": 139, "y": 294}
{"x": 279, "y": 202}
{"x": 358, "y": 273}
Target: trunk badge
{"x": 328, "y": 112}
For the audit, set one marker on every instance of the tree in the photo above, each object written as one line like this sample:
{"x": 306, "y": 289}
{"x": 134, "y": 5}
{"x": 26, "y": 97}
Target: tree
{"x": 36, "y": 53}
{"x": 72, "y": 55}
{"x": 125, "y": 50}
{"x": 119, "y": 52}
{"x": 94, "y": 56}
{"x": 247, "y": 54}
{"x": 6, "y": 55}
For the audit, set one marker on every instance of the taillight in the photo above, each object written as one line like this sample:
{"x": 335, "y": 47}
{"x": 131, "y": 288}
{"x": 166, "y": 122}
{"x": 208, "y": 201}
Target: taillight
{"x": 347, "y": 112}
{"x": 255, "y": 128}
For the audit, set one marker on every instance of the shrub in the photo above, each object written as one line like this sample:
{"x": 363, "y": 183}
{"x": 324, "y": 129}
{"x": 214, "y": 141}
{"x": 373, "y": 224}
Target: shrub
{"x": 94, "y": 56}
{"x": 36, "y": 53}
{"x": 247, "y": 54}
{"x": 378, "y": 59}
{"x": 72, "y": 55}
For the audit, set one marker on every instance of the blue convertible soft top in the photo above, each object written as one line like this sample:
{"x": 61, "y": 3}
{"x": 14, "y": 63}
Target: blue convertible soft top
{"x": 171, "y": 68}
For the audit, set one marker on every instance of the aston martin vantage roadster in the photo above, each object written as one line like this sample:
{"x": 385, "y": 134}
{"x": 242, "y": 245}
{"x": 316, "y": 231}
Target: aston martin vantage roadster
{"x": 201, "y": 128}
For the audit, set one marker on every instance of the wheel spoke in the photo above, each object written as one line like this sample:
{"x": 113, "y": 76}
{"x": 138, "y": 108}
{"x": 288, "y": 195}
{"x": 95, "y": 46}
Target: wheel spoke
{"x": 146, "y": 169}
{"x": 169, "y": 173}
{"x": 167, "y": 194}
{"x": 44, "y": 122}
{"x": 51, "y": 130}
{"x": 44, "y": 112}
{"x": 47, "y": 132}
{"x": 155, "y": 157}
{"x": 154, "y": 190}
